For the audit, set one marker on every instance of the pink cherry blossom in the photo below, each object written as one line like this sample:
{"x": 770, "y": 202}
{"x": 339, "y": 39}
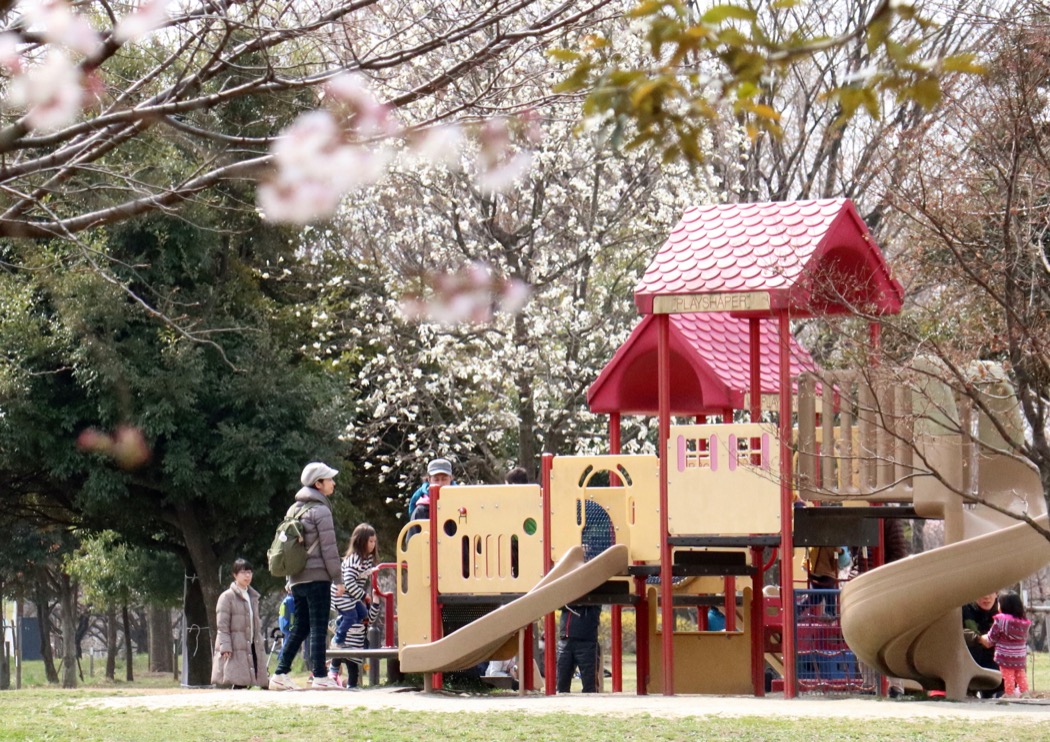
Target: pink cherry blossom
{"x": 366, "y": 116}
{"x": 297, "y": 201}
{"x": 500, "y": 165}
{"x": 50, "y": 92}
{"x": 472, "y": 294}
{"x": 148, "y": 16}
{"x": 515, "y": 296}
{"x": 57, "y": 22}
{"x": 440, "y": 145}
{"x": 315, "y": 168}
{"x": 10, "y": 58}
{"x": 126, "y": 446}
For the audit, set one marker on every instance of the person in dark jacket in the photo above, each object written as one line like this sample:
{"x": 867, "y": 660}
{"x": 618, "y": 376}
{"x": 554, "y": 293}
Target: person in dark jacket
{"x": 312, "y": 586}
{"x": 439, "y": 474}
{"x": 978, "y": 618}
{"x": 578, "y": 646}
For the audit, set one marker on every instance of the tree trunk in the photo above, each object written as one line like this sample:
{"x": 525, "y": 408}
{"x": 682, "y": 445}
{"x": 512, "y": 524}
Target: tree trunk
{"x": 43, "y": 613}
{"x": 159, "y": 620}
{"x": 68, "y": 598}
{"x": 5, "y": 664}
{"x": 83, "y": 626}
{"x": 129, "y": 649}
{"x": 205, "y": 563}
{"x": 139, "y": 628}
{"x": 111, "y": 643}
{"x": 197, "y": 657}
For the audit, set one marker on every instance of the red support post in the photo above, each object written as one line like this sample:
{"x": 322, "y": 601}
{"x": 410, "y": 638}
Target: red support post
{"x": 663, "y": 363}
{"x": 435, "y": 605}
{"x": 641, "y": 635}
{"x": 755, "y": 363}
{"x": 526, "y": 677}
{"x": 550, "y": 630}
{"x": 758, "y": 613}
{"x": 787, "y": 541}
{"x": 616, "y": 626}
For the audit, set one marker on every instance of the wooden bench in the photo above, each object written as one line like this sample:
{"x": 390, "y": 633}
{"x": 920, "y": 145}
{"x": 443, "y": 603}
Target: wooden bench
{"x": 502, "y": 682}
{"x": 383, "y": 653}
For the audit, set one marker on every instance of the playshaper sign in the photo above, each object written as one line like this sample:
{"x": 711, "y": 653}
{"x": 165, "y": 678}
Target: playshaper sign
{"x": 743, "y": 301}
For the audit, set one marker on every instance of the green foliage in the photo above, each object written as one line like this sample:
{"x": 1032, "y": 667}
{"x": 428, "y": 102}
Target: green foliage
{"x": 226, "y": 400}
{"x": 112, "y": 574}
{"x": 728, "y": 59}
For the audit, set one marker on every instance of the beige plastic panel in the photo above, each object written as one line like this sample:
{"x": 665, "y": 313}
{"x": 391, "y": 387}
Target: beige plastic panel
{"x": 483, "y": 520}
{"x": 413, "y": 586}
{"x": 713, "y": 662}
{"x": 633, "y": 507}
{"x": 716, "y": 488}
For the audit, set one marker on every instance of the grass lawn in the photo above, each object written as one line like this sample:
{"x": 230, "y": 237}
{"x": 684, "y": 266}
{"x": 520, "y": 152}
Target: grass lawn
{"x": 40, "y": 712}
{"x": 55, "y": 715}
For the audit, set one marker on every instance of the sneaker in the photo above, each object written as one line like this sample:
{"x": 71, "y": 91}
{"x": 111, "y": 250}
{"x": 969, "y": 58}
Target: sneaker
{"x": 334, "y": 676}
{"x": 324, "y": 684}
{"x": 282, "y": 682}
{"x": 336, "y": 645}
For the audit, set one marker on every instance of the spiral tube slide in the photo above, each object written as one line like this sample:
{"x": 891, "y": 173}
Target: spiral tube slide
{"x": 904, "y": 619}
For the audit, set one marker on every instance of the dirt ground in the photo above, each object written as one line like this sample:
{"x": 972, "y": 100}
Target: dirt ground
{"x": 605, "y": 704}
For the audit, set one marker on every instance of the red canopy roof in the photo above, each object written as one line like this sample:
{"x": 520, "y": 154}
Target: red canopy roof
{"x": 710, "y": 358}
{"x": 810, "y": 257}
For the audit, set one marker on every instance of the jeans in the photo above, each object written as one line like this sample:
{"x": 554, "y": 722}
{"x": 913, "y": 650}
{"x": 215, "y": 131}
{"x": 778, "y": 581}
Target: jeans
{"x": 346, "y": 619}
{"x": 313, "y": 602}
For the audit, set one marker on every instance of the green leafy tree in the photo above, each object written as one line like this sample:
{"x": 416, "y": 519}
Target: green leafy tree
{"x": 226, "y": 427}
{"x": 113, "y": 575}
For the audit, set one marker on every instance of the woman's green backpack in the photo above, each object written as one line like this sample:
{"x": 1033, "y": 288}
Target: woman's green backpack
{"x": 287, "y": 554}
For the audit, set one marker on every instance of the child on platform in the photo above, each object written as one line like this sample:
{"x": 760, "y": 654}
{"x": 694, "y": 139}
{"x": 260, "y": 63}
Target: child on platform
{"x": 353, "y": 607}
{"x": 1009, "y": 636}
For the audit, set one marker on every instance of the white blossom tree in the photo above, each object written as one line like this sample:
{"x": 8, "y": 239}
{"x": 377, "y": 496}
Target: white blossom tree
{"x": 441, "y": 365}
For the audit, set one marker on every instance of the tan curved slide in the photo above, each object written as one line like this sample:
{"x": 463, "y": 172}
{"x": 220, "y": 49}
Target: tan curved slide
{"x": 569, "y": 579}
{"x": 904, "y": 619}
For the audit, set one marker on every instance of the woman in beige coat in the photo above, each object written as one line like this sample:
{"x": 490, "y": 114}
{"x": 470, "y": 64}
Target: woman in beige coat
{"x": 239, "y": 654}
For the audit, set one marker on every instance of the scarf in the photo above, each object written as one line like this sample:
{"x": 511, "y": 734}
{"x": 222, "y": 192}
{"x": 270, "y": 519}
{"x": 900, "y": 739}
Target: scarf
{"x": 251, "y": 616}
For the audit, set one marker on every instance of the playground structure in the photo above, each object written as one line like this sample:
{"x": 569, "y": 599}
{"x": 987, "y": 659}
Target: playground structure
{"x": 707, "y": 524}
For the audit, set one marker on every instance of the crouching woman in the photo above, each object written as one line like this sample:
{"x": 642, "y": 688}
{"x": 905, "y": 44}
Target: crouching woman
{"x": 238, "y": 640}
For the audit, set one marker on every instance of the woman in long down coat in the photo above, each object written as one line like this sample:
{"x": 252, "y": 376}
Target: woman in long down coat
{"x": 239, "y": 656}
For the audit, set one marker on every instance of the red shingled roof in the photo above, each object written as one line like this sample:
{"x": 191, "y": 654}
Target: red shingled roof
{"x": 811, "y": 257}
{"x": 710, "y": 358}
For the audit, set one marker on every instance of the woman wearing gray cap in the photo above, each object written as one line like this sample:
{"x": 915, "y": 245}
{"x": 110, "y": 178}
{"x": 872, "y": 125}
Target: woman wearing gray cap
{"x": 311, "y": 587}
